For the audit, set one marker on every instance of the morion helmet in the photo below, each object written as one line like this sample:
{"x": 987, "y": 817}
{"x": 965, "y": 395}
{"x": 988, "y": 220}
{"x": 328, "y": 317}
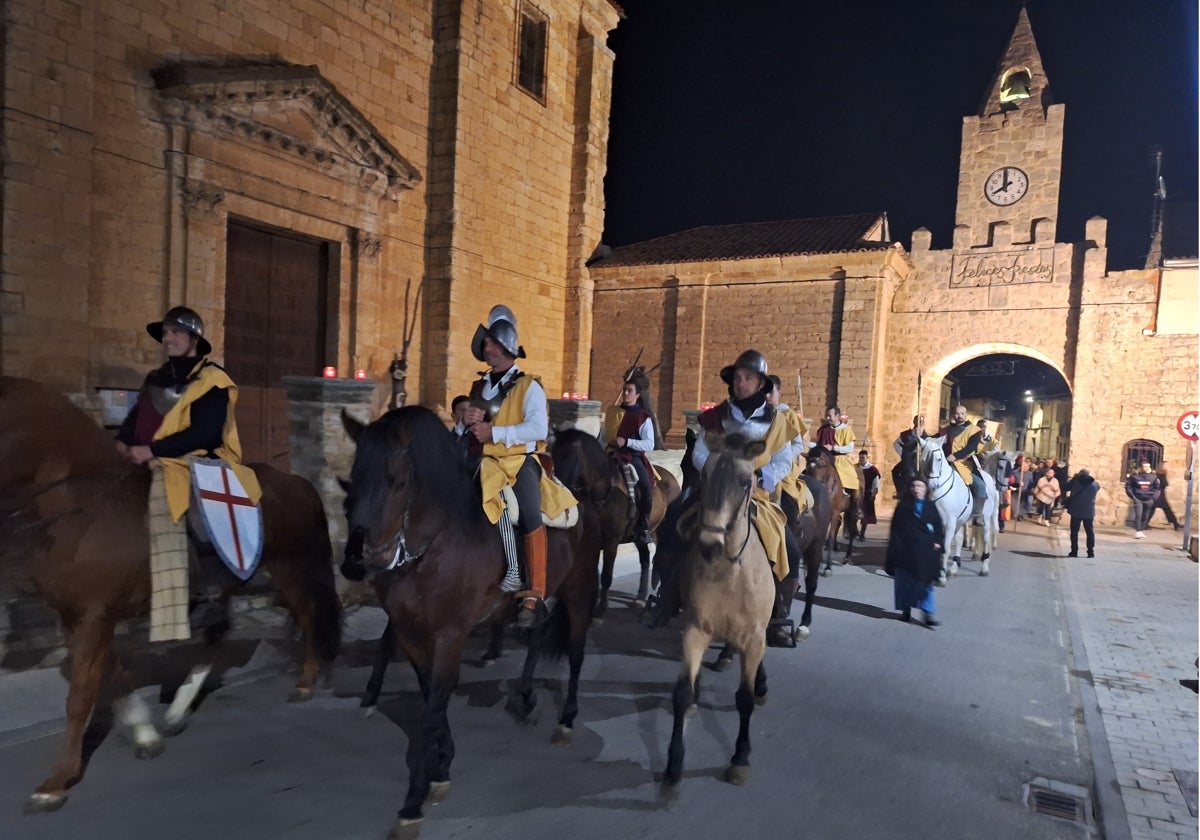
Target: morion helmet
{"x": 185, "y": 319}
{"x": 502, "y": 329}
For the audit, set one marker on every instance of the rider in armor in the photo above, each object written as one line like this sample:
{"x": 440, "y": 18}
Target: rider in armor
{"x": 629, "y": 431}
{"x": 748, "y": 412}
{"x": 837, "y": 436}
{"x": 507, "y": 422}
{"x": 962, "y": 439}
{"x": 185, "y": 407}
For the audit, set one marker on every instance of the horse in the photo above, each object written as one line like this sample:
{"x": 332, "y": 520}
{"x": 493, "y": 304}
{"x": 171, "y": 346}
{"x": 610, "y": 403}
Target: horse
{"x": 582, "y": 465}
{"x": 76, "y": 512}
{"x": 419, "y": 511}
{"x": 820, "y": 466}
{"x": 729, "y": 593}
{"x": 953, "y": 497}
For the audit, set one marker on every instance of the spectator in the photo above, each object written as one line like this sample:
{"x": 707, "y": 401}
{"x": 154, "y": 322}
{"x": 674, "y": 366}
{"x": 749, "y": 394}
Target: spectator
{"x": 1046, "y": 492}
{"x": 1143, "y": 489}
{"x": 1081, "y": 506}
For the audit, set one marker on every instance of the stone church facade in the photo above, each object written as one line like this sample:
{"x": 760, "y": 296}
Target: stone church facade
{"x": 859, "y": 318}
{"x": 296, "y": 171}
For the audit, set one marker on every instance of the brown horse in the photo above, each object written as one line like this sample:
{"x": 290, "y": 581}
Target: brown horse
{"x": 843, "y": 515}
{"x": 418, "y": 509}
{"x": 728, "y": 593}
{"x": 75, "y": 512}
{"x": 582, "y": 465}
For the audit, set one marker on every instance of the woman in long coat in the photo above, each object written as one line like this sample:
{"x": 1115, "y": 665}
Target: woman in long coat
{"x": 914, "y": 552}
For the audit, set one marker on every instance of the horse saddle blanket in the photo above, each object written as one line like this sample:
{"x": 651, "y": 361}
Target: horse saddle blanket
{"x": 564, "y": 518}
{"x": 231, "y": 520}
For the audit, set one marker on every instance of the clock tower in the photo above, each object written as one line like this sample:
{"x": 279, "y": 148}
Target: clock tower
{"x": 1011, "y": 160}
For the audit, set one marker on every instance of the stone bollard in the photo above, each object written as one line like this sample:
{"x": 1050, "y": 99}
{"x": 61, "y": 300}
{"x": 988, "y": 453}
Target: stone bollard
{"x": 321, "y": 451}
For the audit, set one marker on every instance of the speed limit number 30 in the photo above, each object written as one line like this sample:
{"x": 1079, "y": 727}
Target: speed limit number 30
{"x": 1189, "y": 425}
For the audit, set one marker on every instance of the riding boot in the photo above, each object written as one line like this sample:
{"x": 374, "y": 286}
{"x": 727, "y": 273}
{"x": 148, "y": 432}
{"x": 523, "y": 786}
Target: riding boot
{"x": 535, "y": 559}
{"x": 779, "y": 629}
{"x": 977, "y": 509}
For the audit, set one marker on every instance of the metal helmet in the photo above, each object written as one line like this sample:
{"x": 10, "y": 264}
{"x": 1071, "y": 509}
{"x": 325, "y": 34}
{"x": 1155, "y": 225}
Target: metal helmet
{"x": 750, "y": 360}
{"x": 184, "y": 318}
{"x": 501, "y": 328}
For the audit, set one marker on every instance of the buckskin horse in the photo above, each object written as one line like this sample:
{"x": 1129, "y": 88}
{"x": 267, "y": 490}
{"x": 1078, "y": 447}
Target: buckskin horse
{"x": 728, "y": 593}
{"x": 418, "y": 509}
{"x": 583, "y": 466}
{"x": 75, "y": 512}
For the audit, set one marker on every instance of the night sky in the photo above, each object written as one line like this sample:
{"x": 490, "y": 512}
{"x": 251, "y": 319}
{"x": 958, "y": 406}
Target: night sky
{"x": 726, "y": 112}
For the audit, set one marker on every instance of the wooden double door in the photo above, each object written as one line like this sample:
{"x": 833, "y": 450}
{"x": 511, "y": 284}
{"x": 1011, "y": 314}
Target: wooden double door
{"x": 276, "y": 304}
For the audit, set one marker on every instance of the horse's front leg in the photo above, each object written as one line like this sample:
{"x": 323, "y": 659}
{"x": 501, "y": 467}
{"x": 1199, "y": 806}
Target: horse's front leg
{"x": 521, "y": 699}
{"x": 695, "y": 642}
{"x": 383, "y": 655}
{"x": 644, "y": 580}
{"x": 431, "y": 750}
{"x": 609, "y": 559}
{"x": 90, "y": 647}
{"x": 577, "y": 614}
{"x": 738, "y": 772}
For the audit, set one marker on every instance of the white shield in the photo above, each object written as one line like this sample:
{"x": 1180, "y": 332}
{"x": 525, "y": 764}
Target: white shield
{"x": 234, "y": 523}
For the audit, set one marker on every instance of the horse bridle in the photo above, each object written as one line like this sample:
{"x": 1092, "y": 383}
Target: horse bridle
{"x": 397, "y": 546}
{"x": 724, "y": 532}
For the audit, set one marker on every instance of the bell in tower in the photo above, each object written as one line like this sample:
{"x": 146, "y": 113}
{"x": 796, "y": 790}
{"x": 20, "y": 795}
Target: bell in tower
{"x": 1014, "y": 87}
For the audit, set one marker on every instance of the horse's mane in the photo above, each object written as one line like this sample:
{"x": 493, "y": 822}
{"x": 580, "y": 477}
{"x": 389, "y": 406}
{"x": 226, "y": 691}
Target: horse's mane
{"x": 817, "y": 449}
{"x": 580, "y": 464}
{"x": 439, "y": 469}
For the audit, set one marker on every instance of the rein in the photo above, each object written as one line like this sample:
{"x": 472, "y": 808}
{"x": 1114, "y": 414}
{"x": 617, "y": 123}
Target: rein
{"x": 724, "y": 532}
{"x": 397, "y": 546}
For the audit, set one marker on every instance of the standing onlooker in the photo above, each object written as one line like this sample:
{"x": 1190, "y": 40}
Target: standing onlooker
{"x": 1162, "y": 503}
{"x": 1025, "y": 487}
{"x": 1046, "y": 492}
{"x": 869, "y": 492}
{"x": 1081, "y": 506}
{"x": 1143, "y": 489}
{"x": 914, "y": 552}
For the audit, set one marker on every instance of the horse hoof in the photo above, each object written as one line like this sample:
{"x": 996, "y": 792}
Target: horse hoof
{"x": 941, "y": 581}
{"x": 405, "y": 829}
{"x": 760, "y": 700}
{"x": 669, "y": 792}
{"x": 368, "y": 711}
{"x": 597, "y": 620}
{"x": 826, "y": 572}
{"x": 737, "y": 774}
{"x": 153, "y": 749}
{"x": 691, "y": 712}
{"x": 721, "y": 663}
{"x": 438, "y": 791}
{"x": 802, "y": 633}
{"x": 172, "y": 728}
{"x": 44, "y": 803}
{"x": 639, "y": 603}
{"x": 561, "y": 737}
{"x": 300, "y": 695}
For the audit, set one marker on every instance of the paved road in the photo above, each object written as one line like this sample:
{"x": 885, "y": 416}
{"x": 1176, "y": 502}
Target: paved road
{"x": 1056, "y": 669}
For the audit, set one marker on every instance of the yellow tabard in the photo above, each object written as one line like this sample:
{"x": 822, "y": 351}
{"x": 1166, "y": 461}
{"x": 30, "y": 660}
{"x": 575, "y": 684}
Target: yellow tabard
{"x": 845, "y": 463}
{"x": 501, "y": 463}
{"x": 962, "y": 465}
{"x": 770, "y": 521}
{"x": 176, "y": 472}
{"x": 792, "y": 484}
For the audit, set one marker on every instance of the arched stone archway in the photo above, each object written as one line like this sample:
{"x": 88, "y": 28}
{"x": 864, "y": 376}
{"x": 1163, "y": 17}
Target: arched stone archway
{"x": 939, "y": 370}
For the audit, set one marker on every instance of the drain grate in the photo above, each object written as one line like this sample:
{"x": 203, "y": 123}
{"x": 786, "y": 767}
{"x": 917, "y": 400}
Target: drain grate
{"x": 1059, "y": 800}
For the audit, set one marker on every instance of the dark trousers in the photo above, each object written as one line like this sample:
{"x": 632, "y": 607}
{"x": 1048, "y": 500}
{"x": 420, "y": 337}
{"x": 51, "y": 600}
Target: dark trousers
{"x": 644, "y": 500}
{"x": 528, "y": 491}
{"x": 792, "y": 511}
{"x": 1088, "y": 529}
{"x": 1141, "y": 513}
{"x": 1165, "y": 506}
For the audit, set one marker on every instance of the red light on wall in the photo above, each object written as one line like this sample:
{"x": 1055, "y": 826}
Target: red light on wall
{"x": 330, "y": 372}
{"x": 360, "y": 374}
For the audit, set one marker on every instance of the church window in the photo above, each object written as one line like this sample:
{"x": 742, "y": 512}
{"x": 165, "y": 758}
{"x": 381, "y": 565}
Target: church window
{"x": 532, "y": 30}
{"x": 1138, "y": 452}
{"x": 1014, "y": 86}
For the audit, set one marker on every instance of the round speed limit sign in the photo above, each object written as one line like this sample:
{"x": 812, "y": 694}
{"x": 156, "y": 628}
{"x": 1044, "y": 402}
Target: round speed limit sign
{"x": 1189, "y": 425}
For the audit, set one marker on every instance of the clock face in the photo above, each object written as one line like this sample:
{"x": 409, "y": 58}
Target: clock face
{"x": 1006, "y": 186}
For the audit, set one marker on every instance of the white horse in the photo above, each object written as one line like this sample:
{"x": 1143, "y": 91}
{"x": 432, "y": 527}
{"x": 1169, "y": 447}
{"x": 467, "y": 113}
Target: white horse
{"x": 953, "y": 499}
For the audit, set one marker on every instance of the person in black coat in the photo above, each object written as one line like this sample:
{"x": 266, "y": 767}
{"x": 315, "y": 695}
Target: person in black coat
{"x": 1081, "y": 507}
{"x": 914, "y": 552}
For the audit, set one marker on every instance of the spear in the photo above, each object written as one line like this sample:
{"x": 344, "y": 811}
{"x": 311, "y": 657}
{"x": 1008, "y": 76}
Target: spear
{"x": 799, "y": 396}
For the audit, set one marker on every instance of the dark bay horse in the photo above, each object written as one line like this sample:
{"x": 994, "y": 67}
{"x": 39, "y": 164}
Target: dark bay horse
{"x": 74, "y": 512}
{"x": 821, "y": 467}
{"x": 418, "y": 509}
{"x": 728, "y": 594}
{"x": 582, "y": 464}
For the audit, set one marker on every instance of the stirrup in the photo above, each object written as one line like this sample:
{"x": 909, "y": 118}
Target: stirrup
{"x": 781, "y": 632}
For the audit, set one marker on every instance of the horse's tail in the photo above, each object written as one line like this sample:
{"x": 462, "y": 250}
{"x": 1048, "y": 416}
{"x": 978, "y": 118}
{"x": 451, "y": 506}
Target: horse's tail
{"x": 327, "y": 615}
{"x": 556, "y": 633}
